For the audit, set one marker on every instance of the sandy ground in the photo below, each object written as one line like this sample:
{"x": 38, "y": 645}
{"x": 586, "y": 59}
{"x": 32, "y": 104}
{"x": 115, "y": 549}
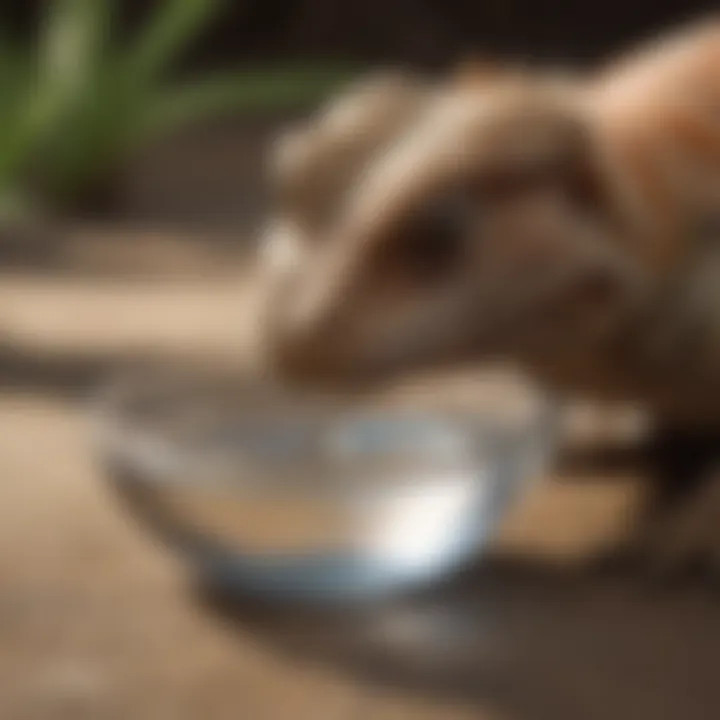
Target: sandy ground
{"x": 98, "y": 622}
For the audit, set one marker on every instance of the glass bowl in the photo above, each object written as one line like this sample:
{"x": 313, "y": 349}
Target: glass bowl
{"x": 278, "y": 494}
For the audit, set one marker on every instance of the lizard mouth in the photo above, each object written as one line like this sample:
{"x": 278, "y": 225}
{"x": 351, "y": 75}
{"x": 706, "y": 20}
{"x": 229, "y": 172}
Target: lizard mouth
{"x": 570, "y": 310}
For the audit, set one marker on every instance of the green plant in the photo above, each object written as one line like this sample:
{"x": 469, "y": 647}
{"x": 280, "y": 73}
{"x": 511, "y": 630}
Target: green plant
{"x": 76, "y": 103}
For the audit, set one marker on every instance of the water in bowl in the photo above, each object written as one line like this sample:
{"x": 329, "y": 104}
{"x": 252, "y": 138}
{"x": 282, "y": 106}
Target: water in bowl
{"x": 323, "y": 502}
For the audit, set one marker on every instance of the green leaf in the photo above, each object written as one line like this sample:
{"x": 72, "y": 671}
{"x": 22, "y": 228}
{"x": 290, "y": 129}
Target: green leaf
{"x": 75, "y": 105}
{"x": 74, "y": 39}
{"x": 14, "y": 74}
{"x": 174, "y": 25}
{"x": 15, "y": 81}
{"x": 87, "y": 142}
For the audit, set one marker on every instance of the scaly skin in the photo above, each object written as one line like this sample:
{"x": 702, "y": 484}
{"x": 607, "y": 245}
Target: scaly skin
{"x": 571, "y": 224}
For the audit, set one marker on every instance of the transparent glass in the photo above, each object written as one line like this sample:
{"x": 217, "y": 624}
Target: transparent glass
{"x": 272, "y": 493}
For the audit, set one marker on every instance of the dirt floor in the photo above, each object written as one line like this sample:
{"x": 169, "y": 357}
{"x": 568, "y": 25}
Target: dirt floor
{"x": 97, "y": 622}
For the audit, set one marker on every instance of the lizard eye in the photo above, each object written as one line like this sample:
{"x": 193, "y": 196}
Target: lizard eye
{"x": 433, "y": 239}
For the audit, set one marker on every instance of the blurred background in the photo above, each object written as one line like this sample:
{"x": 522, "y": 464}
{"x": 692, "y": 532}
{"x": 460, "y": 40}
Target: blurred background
{"x": 132, "y": 135}
{"x": 250, "y": 66}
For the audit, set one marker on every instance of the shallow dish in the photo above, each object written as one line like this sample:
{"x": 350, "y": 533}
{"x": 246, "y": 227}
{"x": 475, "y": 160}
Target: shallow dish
{"x": 272, "y": 493}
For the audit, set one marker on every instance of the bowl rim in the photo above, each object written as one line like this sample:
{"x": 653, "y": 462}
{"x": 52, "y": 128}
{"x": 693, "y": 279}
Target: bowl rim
{"x": 123, "y": 445}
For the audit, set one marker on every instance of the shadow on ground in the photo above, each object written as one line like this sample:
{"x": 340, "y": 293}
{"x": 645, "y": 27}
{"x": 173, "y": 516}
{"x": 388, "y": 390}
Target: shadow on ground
{"x": 527, "y": 641}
